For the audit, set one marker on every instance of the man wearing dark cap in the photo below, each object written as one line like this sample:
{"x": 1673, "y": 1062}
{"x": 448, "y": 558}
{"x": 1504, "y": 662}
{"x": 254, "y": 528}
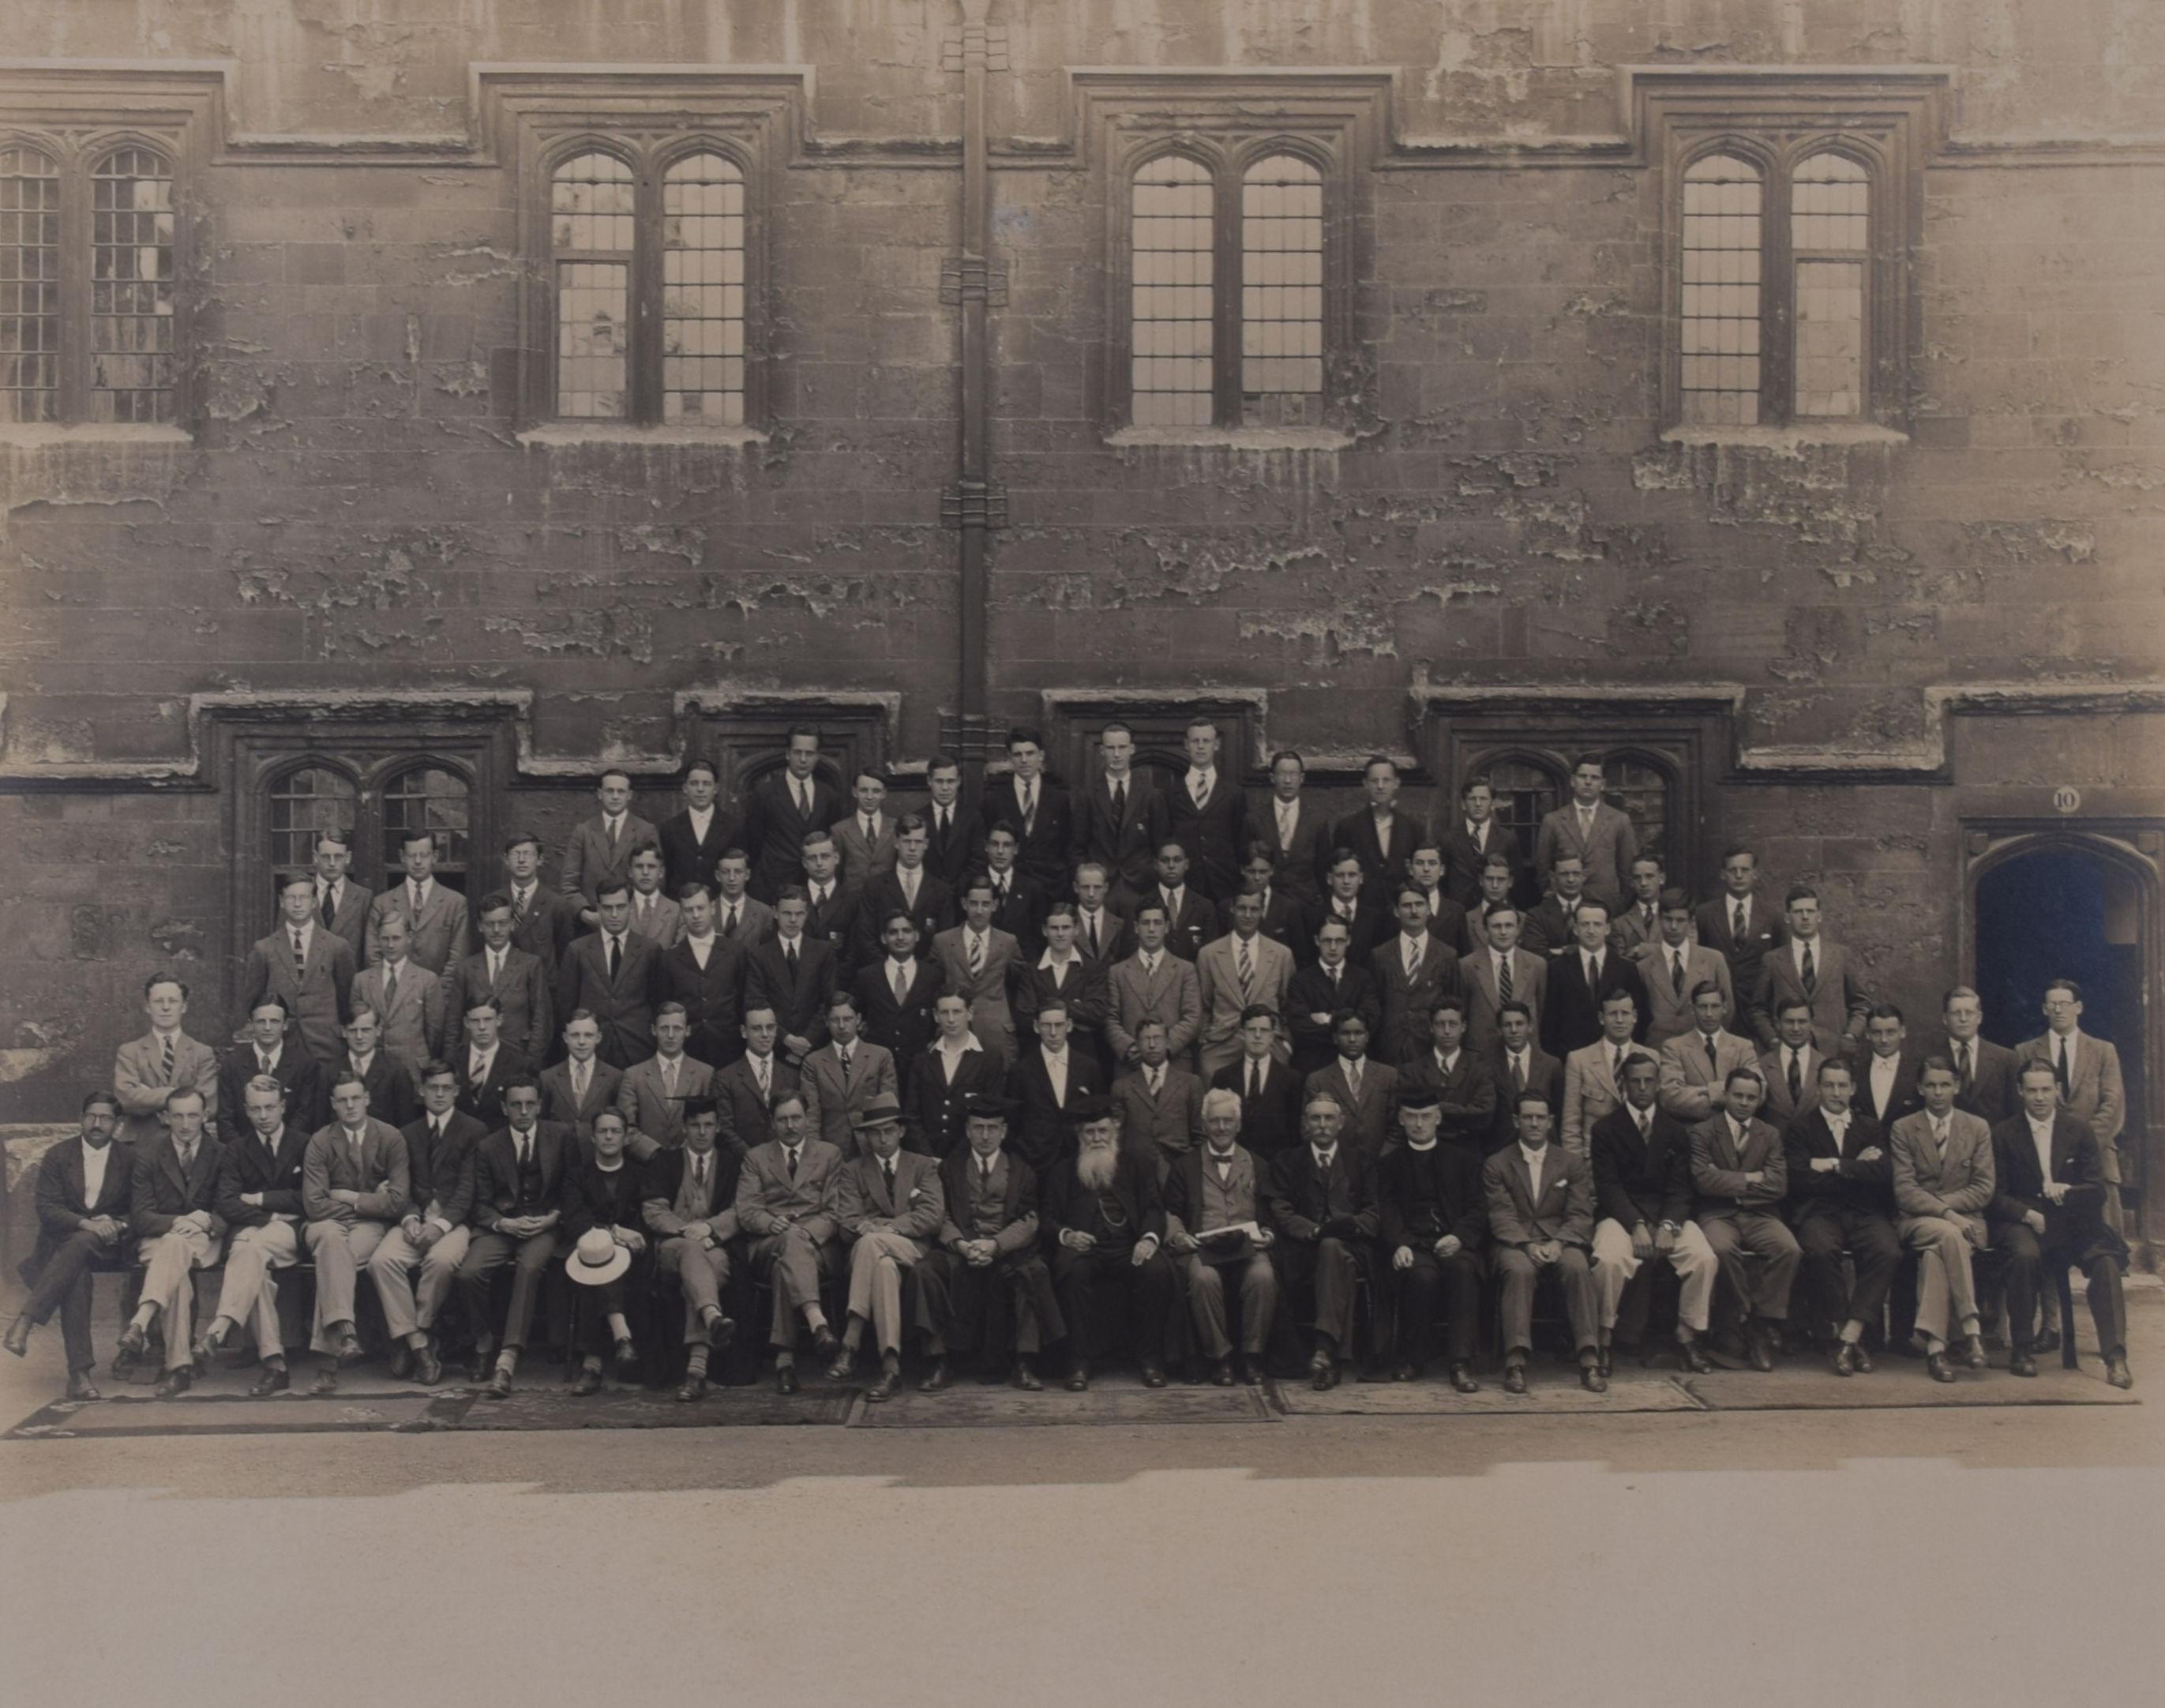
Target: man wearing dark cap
{"x": 1105, "y": 1229}
{"x": 1433, "y": 1213}
{"x": 891, "y": 1208}
{"x": 986, "y": 1286}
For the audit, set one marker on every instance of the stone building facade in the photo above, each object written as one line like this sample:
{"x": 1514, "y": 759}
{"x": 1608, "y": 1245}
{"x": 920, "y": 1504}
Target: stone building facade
{"x": 1769, "y": 398}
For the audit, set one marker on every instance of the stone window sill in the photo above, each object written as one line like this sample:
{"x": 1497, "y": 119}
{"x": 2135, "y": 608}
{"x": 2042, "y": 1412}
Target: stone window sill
{"x": 574, "y": 433}
{"x": 1795, "y": 438}
{"x": 38, "y": 435}
{"x": 1234, "y": 438}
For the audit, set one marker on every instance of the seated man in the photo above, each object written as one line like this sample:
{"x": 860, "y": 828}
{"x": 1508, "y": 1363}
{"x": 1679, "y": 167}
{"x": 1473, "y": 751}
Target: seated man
{"x": 1105, "y": 1225}
{"x": 1943, "y": 1185}
{"x": 1841, "y": 1199}
{"x": 414, "y": 1266}
{"x": 1215, "y": 1224}
{"x": 259, "y": 1195}
{"x": 1741, "y": 1177}
{"x": 84, "y": 1188}
{"x": 786, "y": 1196}
{"x": 987, "y": 1287}
{"x": 691, "y": 1209}
{"x": 1434, "y": 1217}
{"x": 175, "y": 1220}
{"x": 518, "y": 1201}
{"x": 2048, "y": 1208}
{"x": 1322, "y": 1202}
{"x": 891, "y": 1208}
{"x": 355, "y": 1187}
{"x": 603, "y": 1195}
{"x": 1642, "y": 1193}
{"x": 1541, "y": 1218}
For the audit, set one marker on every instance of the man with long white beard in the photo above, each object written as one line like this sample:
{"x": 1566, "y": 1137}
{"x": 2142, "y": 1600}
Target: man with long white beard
{"x": 1104, "y": 1225}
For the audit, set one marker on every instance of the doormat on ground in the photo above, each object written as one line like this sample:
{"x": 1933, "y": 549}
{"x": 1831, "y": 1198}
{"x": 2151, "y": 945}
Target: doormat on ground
{"x": 553, "y": 1406}
{"x": 968, "y": 1405}
{"x": 1901, "y": 1382}
{"x": 1549, "y": 1390}
{"x": 402, "y": 1409}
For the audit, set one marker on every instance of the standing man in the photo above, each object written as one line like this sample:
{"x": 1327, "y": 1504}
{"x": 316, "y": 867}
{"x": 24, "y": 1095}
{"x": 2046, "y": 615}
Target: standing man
{"x": 787, "y": 1196}
{"x": 1550, "y": 929}
{"x": 269, "y": 1051}
{"x": 1045, "y": 1086}
{"x": 1582, "y": 980}
{"x": 1696, "y": 1065}
{"x": 654, "y": 916}
{"x": 1496, "y": 971}
{"x": 516, "y": 978}
{"x": 518, "y": 1199}
{"x": 895, "y": 992}
{"x": 173, "y": 1216}
{"x": 1411, "y": 971}
{"x": 973, "y": 959}
{"x": 1451, "y": 1073}
{"x": 652, "y": 1093}
{"x": 1809, "y": 967}
{"x": 864, "y": 837}
{"x": 341, "y": 905}
{"x": 85, "y": 1187}
{"x": 1037, "y": 809}
{"x": 891, "y": 1208}
{"x": 690, "y": 1208}
{"x": 1064, "y": 975}
{"x": 1541, "y": 1220}
{"x": 599, "y": 850}
{"x": 437, "y": 931}
{"x": 610, "y": 974}
{"x": 1594, "y": 1076}
{"x": 739, "y": 916}
{"x": 1672, "y": 966}
{"x": 1642, "y": 1195}
{"x": 954, "y": 1070}
{"x": 844, "y": 1074}
{"x": 794, "y": 973}
{"x": 1887, "y": 1083}
{"x": 1190, "y": 921}
{"x": 304, "y": 966}
{"x": 1365, "y": 1090}
{"x": 953, "y": 848}
{"x": 1498, "y": 881}
{"x": 1471, "y": 837}
{"x": 414, "y": 1268}
{"x": 1242, "y": 970}
{"x": 1160, "y": 1103}
{"x": 1985, "y": 1071}
{"x": 355, "y": 1187}
{"x": 1520, "y": 1065}
{"x": 1737, "y": 924}
{"x": 908, "y": 887}
{"x": 1121, "y": 820}
{"x": 1379, "y": 835}
{"x": 392, "y": 1094}
{"x": 704, "y": 975}
{"x": 782, "y": 808}
{"x": 261, "y": 1199}
{"x": 2087, "y": 1071}
{"x": 1105, "y": 937}
{"x": 145, "y": 1070}
{"x": 1333, "y": 982}
{"x": 1638, "y": 922}
{"x": 1943, "y": 1185}
{"x": 1433, "y": 1215}
{"x": 543, "y": 921}
{"x": 692, "y": 839}
{"x": 1103, "y": 1223}
{"x": 1741, "y": 1177}
{"x": 407, "y": 997}
{"x": 1207, "y": 814}
{"x": 1600, "y": 836}
{"x": 1299, "y": 836}
{"x": 1791, "y": 1069}
{"x": 581, "y": 1086}
{"x": 1268, "y": 1086}
{"x": 747, "y": 1091}
{"x": 1841, "y": 1199}
{"x": 484, "y": 1064}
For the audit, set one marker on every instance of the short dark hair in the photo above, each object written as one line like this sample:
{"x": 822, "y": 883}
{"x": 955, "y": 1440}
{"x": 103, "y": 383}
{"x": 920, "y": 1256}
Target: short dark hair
{"x": 1478, "y": 780}
{"x": 1020, "y": 733}
{"x": 1707, "y": 986}
{"x": 110, "y": 1099}
{"x": 1285, "y": 753}
{"x": 1752, "y": 1074}
{"x": 156, "y": 979}
{"x": 1456, "y": 1004}
{"x": 436, "y": 1067}
{"x": 1886, "y": 1011}
{"x": 705, "y": 765}
{"x": 490, "y": 903}
{"x": 1799, "y": 892}
{"x": 611, "y": 886}
{"x": 415, "y": 833}
{"x": 613, "y": 770}
{"x": 1936, "y": 1064}
{"x": 942, "y": 761}
{"x": 2074, "y": 990}
{"x": 1673, "y": 900}
{"x": 483, "y": 999}
{"x": 792, "y": 891}
{"x": 516, "y": 838}
{"x": 1514, "y": 1006}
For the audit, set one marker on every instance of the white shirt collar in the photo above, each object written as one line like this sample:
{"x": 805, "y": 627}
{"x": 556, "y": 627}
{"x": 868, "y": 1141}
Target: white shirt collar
{"x": 1534, "y": 1159}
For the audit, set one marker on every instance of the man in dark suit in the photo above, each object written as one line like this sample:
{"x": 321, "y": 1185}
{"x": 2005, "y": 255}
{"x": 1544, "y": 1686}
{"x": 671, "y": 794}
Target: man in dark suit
{"x": 703, "y": 974}
{"x": 2048, "y": 1209}
{"x": 907, "y": 887}
{"x": 84, "y": 1192}
{"x": 952, "y": 847}
{"x": 1547, "y": 927}
{"x": 173, "y": 1217}
{"x": 1120, "y": 819}
{"x": 1296, "y": 836}
{"x": 1333, "y": 982}
{"x": 1541, "y": 1220}
{"x": 1887, "y": 1074}
{"x": 1738, "y": 922}
{"x": 1268, "y": 1088}
{"x": 692, "y": 840}
{"x": 518, "y": 1201}
{"x": 1103, "y": 933}
{"x": 1739, "y": 1178}
{"x": 690, "y": 1209}
{"x": 1044, "y": 1087}
{"x": 1104, "y": 1227}
{"x": 611, "y": 974}
{"x": 1985, "y": 1071}
{"x": 1207, "y": 814}
{"x": 1190, "y": 921}
{"x": 830, "y": 904}
{"x": 1581, "y": 981}
{"x": 484, "y": 1064}
{"x": 1520, "y": 1065}
{"x": 1018, "y": 902}
{"x": 1641, "y": 1161}
{"x": 1036, "y": 808}
{"x": 865, "y": 836}
{"x": 341, "y": 905}
{"x": 1348, "y": 899}
{"x": 895, "y": 992}
{"x": 746, "y": 1091}
{"x": 392, "y": 1096}
{"x": 1064, "y": 974}
{"x": 1432, "y": 1216}
{"x": 1381, "y": 837}
{"x": 781, "y": 808}
{"x": 1841, "y": 1199}
{"x": 272, "y": 1050}
{"x": 1461, "y": 1082}
{"x": 792, "y": 973}
{"x": 1446, "y": 919}
{"x": 258, "y": 1197}
{"x": 1285, "y": 915}
{"x": 1411, "y": 971}
{"x": 954, "y": 1070}
{"x": 543, "y": 920}
{"x": 1322, "y": 1198}
{"x": 518, "y": 979}
{"x": 413, "y": 1270}
{"x": 1470, "y": 837}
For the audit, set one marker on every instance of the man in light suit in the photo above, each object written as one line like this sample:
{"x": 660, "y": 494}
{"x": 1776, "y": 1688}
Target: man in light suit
{"x": 408, "y": 998}
{"x": 652, "y": 1094}
{"x": 1943, "y": 1185}
{"x": 1739, "y": 1175}
{"x": 1594, "y": 1076}
{"x": 2087, "y": 1071}
{"x": 1672, "y": 966}
{"x": 356, "y": 1185}
{"x": 341, "y": 905}
{"x": 1366, "y": 1089}
{"x": 1496, "y": 971}
{"x": 611, "y": 974}
{"x": 1987, "y": 1070}
{"x": 865, "y": 838}
{"x": 844, "y": 1074}
{"x": 787, "y": 1196}
{"x": 1541, "y": 1220}
{"x": 414, "y": 1267}
{"x": 1809, "y": 967}
{"x": 1120, "y": 819}
{"x": 1696, "y": 1065}
{"x": 782, "y": 809}
{"x": 1242, "y": 970}
{"x": 1160, "y": 1103}
{"x": 1379, "y": 834}
{"x": 84, "y": 1186}
{"x": 692, "y": 840}
{"x": 1638, "y": 922}
{"x": 599, "y": 849}
{"x": 1471, "y": 838}
{"x": 1791, "y": 1069}
{"x": 654, "y": 916}
{"x": 1601, "y": 836}
{"x": 145, "y": 1070}
{"x": 1207, "y": 814}
{"x": 435, "y": 917}
{"x": 581, "y": 1085}
{"x": 306, "y": 968}
{"x": 1737, "y": 924}
{"x": 1411, "y": 970}
{"x": 890, "y": 1208}
{"x": 1153, "y": 984}
{"x": 173, "y": 1217}
{"x": 517, "y": 980}
{"x": 1295, "y": 832}
{"x": 973, "y": 960}
{"x": 690, "y": 1208}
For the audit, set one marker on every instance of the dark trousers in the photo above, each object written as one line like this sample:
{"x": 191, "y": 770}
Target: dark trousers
{"x": 1008, "y": 1304}
{"x": 1875, "y": 1250}
{"x": 2029, "y": 1261}
{"x": 1439, "y": 1290}
{"x": 489, "y": 1253}
{"x": 1328, "y": 1269}
{"x": 64, "y": 1285}
{"x": 628, "y": 1295}
{"x": 1089, "y": 1284}
{"x": 1732, "y": 1233}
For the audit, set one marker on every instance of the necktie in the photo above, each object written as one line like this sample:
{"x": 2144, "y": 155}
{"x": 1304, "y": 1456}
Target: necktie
{"x": 901, "y": 982}
{"x": 1518, "y": 1070}
{"x": 1736, "y": 921}
{"x": 300, "y": 954}
{"x": 669, "y": 1076}
{"x": 476, "y": 1070}
{"x": 1796, "y": 1078}
{"x": 1616, "y": 1065}
{"x": 699, "y": 1174}
{"x": 1961, "y": 1066}
{"x": 1713, "y": 1060}
{"x": 328, "y": 911}
{"x": 270, "y": 1152}
{"x": 1333, "y": 972}
{"x": 941, "y": 827}
{"x": 415, "y": 890}
{"x": 2059, "y": 1066}
{"x": 390, "y": 987}
{"x": 612, "y": 825}
{"x": 1247, "y": 971}
{"x": 803, "y": 797}
{"x": 262, "y": 1062}
{"x": 976, "y": 952}
{"x": 1120, "y": 801}
{"x": 1255, "y": 1081}
{"x": 764, "y": 1073}
{"x": 1676, "y": 972}
{"x": 789, "y": 954}
{"x": 524, "y": 1144}
{"x": 1593, "y": 972}
{"x": 435, "y": 1133}
{"x": 1504, "y": 978}
{"x": 1644, "y": 1120}
{"x": 888, "y": 1165}
{"x": 1646, "y": 922}
{"x": 1413, "y": 957}
{"x": 1095, "y": 946}
{"x": 520, "y": 897}
{"x": 846, "y": 1056}
{"x": 1323, "y": 1179}
{"x": 169, "y": 1057}
{"x": 1811, "y": 971}
{"x": 1940, "y": 1140}
{"x": 1154, "y": 1078}
{"x": 1353, "y": 1079}
{"x": 615, "y": 957}
{"x": 1029, "y": 807}
{"x": 871, "y": 832}
{"x": 1202, "y": 788}
{"x": 730, "y": 922}
{"x": 985, "y": 1174}
{"x": 1150, "y": 967}
{"x": 580, "y": 1073}
{"x": 495, "y": 967}
{"x": 188, "y": 1160}
{"x": 792, "y": 1155}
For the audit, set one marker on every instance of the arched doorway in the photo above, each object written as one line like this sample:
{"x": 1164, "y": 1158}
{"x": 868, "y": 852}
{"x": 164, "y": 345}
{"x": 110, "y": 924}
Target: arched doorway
{"x": 2050, "y": 906}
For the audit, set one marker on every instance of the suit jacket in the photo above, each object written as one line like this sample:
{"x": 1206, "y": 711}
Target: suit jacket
{"x": 986, "y": 990}
{"x": 1456, "y": 1202}
{"x": 1993, "y": 1092}
{"x": 380, "y": 1174}
{"x": 836, "y": 922}
{"x": 1670, "y": 1012}
{"x": 1303, "y": 1205}
{"x": 1607, "y": 852}
{"x": 747, "y": 1118}
{"x": 688, "y": 858}
{"x": 711, "y": 996}
{"x": 1126, "y": 843}
{"x": 590, "y": 858}
{"x": 755, "y": 926}
{"x": 2076, "y": 1223}
{"x": 1544, "y": 1074}
{"x": 1116, "y": 938}
{"x": 1546, "y": 929}
{"x": 1406, "y": 1000}
{"x": 1640, "y": 1179}
{"x": 244, "y": 1166}
{"x": 1046, "y": 841}
{"x": 1161, "y": 1126}
{"x": 560, "y": 1107}
{"x": 528, "y": 1017}
{"x": 774, "y": 829}
{"x": 871, "y": 1074}
{"x": 1271, "y": 1122}
{"x": 62, "y": 1199}
{"x": 1214, "y": 834}
{"x": 439, "y": 936}
{"x": 661, "y": 921}
{"x": 935, "y": 1124}
{"x": 163, "y": 1192}
{"x": 440, "y": 1177}
{"x": 351, "y": 921}
{"x": 1468, "y": 1092}
{"x": 1591, "y": 1088}
{"x": 495, "y": 1172}
{"x": 1484, "y": 999}
{"x": 1767, "y": 931}
{"x": 413, "y": 1025}
{"x": 1082, "y": 986}
{"x": 798, "y": 995}
{"x": 1839, "y": 1003}
{"x": 485, "y": 1102}
{"x": 1903, "y": 1097}
{"x": 1183, "y": 1190}
{"x": 1017, "y": 1230}
{"x": 319, "y": 999}
{"x": 308, "y": 1099}
{"x": 1195, "y": 924}
{"x": 1370, "y": 926}
{"x": 1064, "y": 1202}
{"x": 915, "y": 1210}
{"x": 544, "y": 926}
{"x": 2096, "y": 1092}
{"x": 932, "y": 913}
{"x": 954, "y": 847}
{"x": 1383, "y": 869}
{"x": 393, "y": 1098}
{"x": 1018, "y": 909}
{"x": 1039, "y": 1131}
{"x": 1173, "y": 994}
{"x": 1692, "y": 1086}
{"x": 1300, "y": 860}
{"x": 623, "y": 1006}
{"x": 865, "y": 861}
{"x": 1463, "y": 860}
{"x": 766, "y": 1194}
{"x": 1630, "y": 930}
{"x": 665, "y": 1175}
{"x": 1218, "y": 978}
{"x": 1571, "y": 1013}
{"x": 1371, "y": 1117}
{"x": 647, "y": 1108}
{"x": 904, "y": 1029}
{"x": 1856, "y": 1185}
{"x": 1780, "y": 1107}
{"x": 1447, "y": 920}
{"x": 1312, "y": 992}
{"x": 1960, "y": 1184}
{"x": 1719, "y": 1164}
{"x": 1557, "y": 1206}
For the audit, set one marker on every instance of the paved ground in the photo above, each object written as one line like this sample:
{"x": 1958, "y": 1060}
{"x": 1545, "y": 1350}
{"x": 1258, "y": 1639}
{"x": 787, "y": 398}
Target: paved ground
{"x": 1979, "y": 1555}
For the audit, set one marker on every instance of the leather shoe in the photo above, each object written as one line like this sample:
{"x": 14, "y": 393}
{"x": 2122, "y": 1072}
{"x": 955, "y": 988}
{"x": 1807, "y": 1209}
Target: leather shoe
{"x": 785, "y": 1379}
{"x": 349, "y": 1348}
{"x": 1604, "y": 1362}
{"x": 428, "y": 1367}
{"x": 1463, "y": 1379}
{"x": 402, "y": 1362}
{"x": 133, "y": 1344}
{"x": 1844, "y": 1358}
{"x": 589, "y": 1382}
{"x": 940, "y": 1380}
{"x": 1222, "y": 1372}
{"x": 1078, "y": 1379}
{"x": 1863, "y": 1358}
{"x": 1245, "y": 1368}
{"x": 483, "y": 1360}
{"x": 1514, "y": 1379}
{"x": 690, "y": 1388}
{"x": 1758, "y": 1353}
{"x": 176, "y": 1383}
{"x": 1693, "y": 1357}
{"x": 1937, "y": 1367}
{"x": 886, "y": 1388}
{"x": 627, "y": 1358}
{"x": 273, "y": 1379}
{"x": 1318, "y": 1371}
{"x": 1591, "y": 1379}
{"x": 80, "y": 1387}
{"x": 720, "y": 1335}
{"x": 2117, "y": 1373}
{"x": 1026, "y": 1378}
{"x": 499, "y": 1384}
{"x": 1153, "y": 1377}
{"x": 1973, "y": 1352}
{"x": 18, "y": 1337}
{"x": 2020, "y": 1363}
{"x": 2047, "y": 1340}
{"x": 326, "y": 1382}
{"x": 1404, "y": 1371}
{"x": 824, "y": 1343}
{"x": 838, "y": 1370}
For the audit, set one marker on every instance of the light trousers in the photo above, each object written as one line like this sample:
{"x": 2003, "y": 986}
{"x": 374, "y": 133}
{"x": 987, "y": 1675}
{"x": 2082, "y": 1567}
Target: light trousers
{"x": 1690, "y": 1256}
{"x": 170, "y": 1261}
{"x": 876, "y": 1262}
{"x": 701, "y": 1272}
{"x": 1947, "y": 1293}
{"x": 247, "y": 1295}
{"x": 412, "y": 1283}
{"x": 340, "y": 1249}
